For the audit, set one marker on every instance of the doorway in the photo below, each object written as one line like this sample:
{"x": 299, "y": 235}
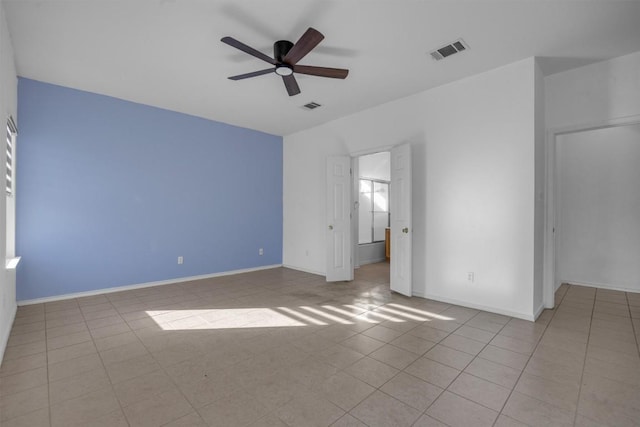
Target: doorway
{"x": 598, "y": 207}
{"x": 342, "y": 218}
{"x": 372, "y": 182}
{"x": 593, "y": 232}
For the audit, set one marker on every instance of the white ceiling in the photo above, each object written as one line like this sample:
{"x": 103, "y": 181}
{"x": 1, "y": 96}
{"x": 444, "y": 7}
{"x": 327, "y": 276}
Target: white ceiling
{"x": 167, "y": 53}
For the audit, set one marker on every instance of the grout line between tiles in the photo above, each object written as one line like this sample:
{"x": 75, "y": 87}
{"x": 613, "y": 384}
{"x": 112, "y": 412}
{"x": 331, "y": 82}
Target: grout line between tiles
{"x": 555, "y": 310}
{"x": 461, "y": 370}
{"x": 46, "y": 359}
{"x": 584, "y": 360}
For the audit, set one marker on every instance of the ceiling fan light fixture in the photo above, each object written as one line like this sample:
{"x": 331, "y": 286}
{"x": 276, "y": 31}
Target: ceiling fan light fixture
{"x": 284, "y": 70}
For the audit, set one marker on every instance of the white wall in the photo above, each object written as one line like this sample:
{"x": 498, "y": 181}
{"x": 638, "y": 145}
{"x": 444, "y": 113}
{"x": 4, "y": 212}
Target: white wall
{"x": 370, "y": 253}
{"x": 473, "y": 145}
{"x": 598, "y": 241}
{"x": 595, "y": 93}
{"x": 375, "y": 166}
{"x": 8, "y": 106}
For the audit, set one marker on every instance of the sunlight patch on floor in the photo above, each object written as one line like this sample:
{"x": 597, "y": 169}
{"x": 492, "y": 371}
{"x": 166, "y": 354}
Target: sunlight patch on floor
{"x": 286, "y": 317}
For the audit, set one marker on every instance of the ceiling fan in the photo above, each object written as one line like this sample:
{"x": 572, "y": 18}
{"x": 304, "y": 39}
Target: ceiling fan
{"x": 285, "y": 60}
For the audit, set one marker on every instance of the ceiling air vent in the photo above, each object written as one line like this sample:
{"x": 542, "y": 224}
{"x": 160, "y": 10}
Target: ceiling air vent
{"x": 311, "y": 106}
{"x": 448, "y": 50}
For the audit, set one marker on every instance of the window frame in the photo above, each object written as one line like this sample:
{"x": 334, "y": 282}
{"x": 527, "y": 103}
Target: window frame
{"x": 371, "y": 209}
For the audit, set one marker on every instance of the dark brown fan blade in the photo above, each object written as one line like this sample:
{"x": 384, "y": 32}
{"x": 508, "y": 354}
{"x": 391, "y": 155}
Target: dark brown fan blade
{"x": 307, "y": 42}
{"x": 253, "y": 74}
{"x": 291, "y": 84}
{"x": 247, "y": 49}
{"x": 334, "y": 73}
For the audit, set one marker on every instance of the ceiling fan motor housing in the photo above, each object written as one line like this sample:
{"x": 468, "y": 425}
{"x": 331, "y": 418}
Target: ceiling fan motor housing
{"x": 280, "y": 49}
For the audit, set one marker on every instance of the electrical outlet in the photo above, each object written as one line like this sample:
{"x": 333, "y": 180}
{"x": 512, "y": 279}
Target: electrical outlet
{"x": 470, "y": 276}
{"x": 260, "y": 251}
{"x": 180, "y": 260}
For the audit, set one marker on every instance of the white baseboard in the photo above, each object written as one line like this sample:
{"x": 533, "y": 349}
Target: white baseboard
{"x": 597, "y": 285}
{"x": 372, "y": 261}
{"x": 143, "y": 285}
{"x": 538, "y": 311}
{"x": 304, "y": 270}
{"x": 525, "y": 316}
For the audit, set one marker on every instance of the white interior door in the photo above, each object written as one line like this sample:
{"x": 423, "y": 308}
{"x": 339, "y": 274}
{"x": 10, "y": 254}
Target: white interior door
{"x": 338, "y": 227}
{"x": 401, "y": 219}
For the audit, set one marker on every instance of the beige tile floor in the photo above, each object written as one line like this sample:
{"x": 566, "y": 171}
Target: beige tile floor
{"x": 284, "y": 348}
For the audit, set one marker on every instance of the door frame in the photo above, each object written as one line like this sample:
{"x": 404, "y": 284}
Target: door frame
{"x": 551, "y": 194}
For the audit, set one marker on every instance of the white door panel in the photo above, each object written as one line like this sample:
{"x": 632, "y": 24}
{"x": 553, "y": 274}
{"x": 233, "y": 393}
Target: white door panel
{"x": 401, "y": 229}
{"x": 338, "y": 227}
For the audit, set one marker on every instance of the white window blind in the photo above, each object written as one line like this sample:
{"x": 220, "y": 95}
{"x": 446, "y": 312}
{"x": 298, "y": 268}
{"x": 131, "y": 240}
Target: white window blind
{"x": 9, "y": 167}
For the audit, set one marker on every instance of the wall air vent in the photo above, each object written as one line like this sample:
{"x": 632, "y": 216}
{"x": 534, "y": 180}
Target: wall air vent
{"x": 448, "y": 50}
{"x": 311, "y": 106}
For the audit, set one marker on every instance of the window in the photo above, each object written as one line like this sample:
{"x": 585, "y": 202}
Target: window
{"x": 9, "y": 166}
{"x": 10, "y": 185}
{"x": 373, "y": 210}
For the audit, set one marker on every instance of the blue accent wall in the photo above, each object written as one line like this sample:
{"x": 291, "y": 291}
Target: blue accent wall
{"x": 110, "y": 193}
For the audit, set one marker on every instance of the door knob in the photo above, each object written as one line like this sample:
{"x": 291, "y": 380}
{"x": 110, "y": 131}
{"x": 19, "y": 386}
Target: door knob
{"x": 405, "y": 230}
{"x": 331, "y": 227}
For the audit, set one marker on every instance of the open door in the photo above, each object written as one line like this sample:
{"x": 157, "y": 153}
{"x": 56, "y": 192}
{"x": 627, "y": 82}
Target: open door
{"x": 401, "y": 219}
{"x": 338, "y": 231}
